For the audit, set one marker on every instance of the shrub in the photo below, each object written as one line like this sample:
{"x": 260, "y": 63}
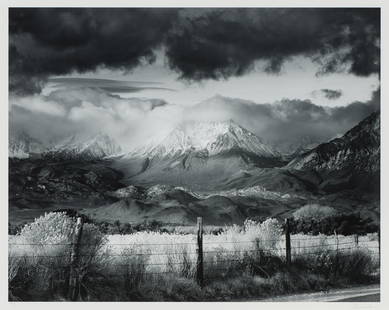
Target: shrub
{"x": 180, "y": 262}
{"x": 255, "y": 262}
{"x": 353, "y": 266}
{"x": 92, "y": 260}
{"x": 135, "y": 266}
{"x": 14, "y": 265}
{"x": 169, "y": 287}
{"x": 267, "y": 233}
{"x": 45, "y": 245}
{"x": 344, "y": 224}
{"x": 221, "y": 265}
{"x": 51, "y": 228}
{"x": 313, "y": 211}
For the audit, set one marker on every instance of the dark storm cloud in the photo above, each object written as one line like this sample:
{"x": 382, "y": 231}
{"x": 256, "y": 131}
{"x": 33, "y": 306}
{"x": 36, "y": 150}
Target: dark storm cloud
{"x": 331, "y": 94}
{"x": 199, "y": 43}
{"x": 45, "y": 42}
{"x": 223, "y": 43}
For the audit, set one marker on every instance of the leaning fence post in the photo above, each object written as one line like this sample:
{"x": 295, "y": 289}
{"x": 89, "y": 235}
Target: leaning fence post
{"x": 200, "y": 267}
{"x": 73, "y": 275}
{"x": 287, "y": 243}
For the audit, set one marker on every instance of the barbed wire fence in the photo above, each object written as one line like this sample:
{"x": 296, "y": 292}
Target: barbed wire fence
{"x": 199, "y": 262}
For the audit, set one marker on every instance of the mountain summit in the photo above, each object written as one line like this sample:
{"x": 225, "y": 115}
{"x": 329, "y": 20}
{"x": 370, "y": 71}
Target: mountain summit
{"x": 212, "y": 138}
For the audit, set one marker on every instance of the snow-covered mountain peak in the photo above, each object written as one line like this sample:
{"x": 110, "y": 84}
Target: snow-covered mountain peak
{"x": 94, "y": 146}
{"x": 22, "y": 145}
{"x": 212, "y": 137}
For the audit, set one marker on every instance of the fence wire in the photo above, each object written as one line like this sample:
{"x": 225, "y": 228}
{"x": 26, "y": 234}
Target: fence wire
{"x": 296, "y": 249}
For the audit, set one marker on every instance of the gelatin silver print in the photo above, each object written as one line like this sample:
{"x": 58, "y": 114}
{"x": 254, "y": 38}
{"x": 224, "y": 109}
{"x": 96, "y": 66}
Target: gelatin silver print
{"x": 194, "y": 154}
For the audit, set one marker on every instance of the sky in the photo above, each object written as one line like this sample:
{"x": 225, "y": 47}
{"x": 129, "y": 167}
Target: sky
{"x": 137, "y": 73}
{"x": 297, "y": 80}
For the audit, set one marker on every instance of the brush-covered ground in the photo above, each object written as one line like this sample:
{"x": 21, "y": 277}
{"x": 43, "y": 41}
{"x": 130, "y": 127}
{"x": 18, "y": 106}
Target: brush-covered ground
{"x": 242, "y": 262}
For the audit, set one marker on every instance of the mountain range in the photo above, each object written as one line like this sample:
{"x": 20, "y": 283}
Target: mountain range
{"x": 87, "y": 147}
{"x": 210, "y": 137}
{"x": 97, "y": 146}
{"x": 215, "y": 169}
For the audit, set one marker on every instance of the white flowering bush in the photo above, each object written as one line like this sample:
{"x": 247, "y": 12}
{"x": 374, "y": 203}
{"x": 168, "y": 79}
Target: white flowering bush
{"x": 49, "y": 236}
{"x": 51, "y": 228}
{"x": 45, "y": 246}
{"x": 56, "y": 228}
{"x": 313, "y": 211}
{"x": 267, "y": 233}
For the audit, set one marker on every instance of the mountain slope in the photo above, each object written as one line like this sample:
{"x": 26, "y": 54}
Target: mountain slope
{"x": 89, "y": 148}
{"x": 198, "y": 154}
{"x": 357, "y": 150}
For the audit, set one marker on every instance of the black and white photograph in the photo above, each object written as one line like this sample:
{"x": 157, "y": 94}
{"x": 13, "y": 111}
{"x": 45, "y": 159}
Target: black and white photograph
{"x": 194, "y": 154}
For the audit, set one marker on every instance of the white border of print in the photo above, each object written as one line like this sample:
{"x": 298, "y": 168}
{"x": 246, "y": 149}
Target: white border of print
{"x": 188, "y": 3}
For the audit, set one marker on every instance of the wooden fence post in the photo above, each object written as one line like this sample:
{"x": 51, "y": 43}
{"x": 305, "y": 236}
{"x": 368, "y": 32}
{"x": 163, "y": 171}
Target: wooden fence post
{"x": 337, "y": 253}
{"x": 287, "y": 243}
{"x": 73, "y": 275}
{"x": 379, "y": 244}
{"x": 200, "y": 262}
{"x": 356, "y": 239}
